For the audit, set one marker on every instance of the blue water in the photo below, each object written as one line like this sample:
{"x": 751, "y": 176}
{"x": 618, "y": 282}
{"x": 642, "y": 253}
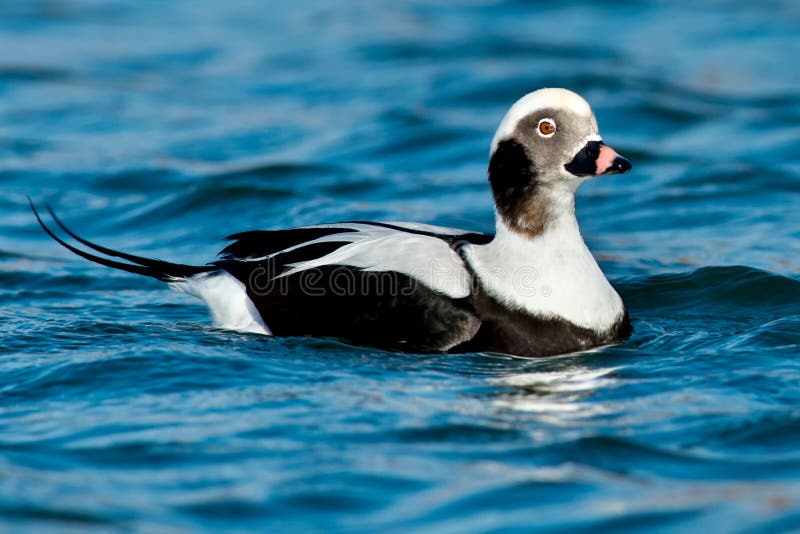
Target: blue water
{"x": 159, "y": 127}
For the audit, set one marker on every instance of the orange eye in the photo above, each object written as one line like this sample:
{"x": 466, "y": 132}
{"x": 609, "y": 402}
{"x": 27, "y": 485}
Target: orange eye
{"x": 547, "y": 127}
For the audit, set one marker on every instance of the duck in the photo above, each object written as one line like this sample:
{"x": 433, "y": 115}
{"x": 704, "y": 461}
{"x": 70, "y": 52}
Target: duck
{"x": 530, "y": 289}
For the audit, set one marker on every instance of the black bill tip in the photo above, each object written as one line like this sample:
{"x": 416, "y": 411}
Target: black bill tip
{"x": 620, "y": 165}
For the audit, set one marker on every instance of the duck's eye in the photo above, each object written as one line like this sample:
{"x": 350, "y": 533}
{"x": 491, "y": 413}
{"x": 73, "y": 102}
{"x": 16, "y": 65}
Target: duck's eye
{"x": 547, "y": 127}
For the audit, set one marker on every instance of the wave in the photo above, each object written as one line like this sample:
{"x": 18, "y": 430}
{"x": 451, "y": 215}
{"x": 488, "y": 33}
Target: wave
{"x": 717, "y": 289}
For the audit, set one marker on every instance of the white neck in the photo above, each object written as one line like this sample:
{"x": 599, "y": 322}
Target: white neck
{"x": 552, "y": 274}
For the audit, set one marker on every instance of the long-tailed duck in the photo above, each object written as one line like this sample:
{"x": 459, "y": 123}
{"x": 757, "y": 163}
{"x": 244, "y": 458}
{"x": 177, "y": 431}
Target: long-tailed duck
{"x": 531, "y": 289}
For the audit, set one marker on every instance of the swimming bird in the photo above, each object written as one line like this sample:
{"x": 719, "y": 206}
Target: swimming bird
{"x": 531, "y": 289}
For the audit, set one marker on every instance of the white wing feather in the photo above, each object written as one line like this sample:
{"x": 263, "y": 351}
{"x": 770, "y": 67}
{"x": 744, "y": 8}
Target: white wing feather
{"x": 376, "y": 248}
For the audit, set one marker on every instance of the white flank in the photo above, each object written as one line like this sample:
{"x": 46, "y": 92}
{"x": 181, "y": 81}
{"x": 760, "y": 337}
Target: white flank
{"x": 375, "y": 248}
{"x": 552, "y": 275}
{"x": 227, "y": 300}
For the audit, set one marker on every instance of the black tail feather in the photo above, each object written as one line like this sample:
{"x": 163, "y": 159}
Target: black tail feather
{"x": 160, "y": 270}
{"x": 139, "y": 260}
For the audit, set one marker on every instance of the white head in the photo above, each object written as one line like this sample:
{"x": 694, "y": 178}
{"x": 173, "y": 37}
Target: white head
{"x": 545, "y": 147}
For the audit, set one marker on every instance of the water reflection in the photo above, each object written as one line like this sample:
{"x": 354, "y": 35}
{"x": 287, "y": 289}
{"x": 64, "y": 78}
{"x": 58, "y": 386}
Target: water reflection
{"x": 555, "y": 394}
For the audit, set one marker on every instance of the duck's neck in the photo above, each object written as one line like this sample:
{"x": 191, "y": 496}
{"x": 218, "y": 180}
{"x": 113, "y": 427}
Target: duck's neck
{"x": 527, "y": 200}
{"x": 559, "y": 234}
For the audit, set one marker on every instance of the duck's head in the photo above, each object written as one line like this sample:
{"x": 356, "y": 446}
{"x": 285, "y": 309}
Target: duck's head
{"x": 546, "y": 146}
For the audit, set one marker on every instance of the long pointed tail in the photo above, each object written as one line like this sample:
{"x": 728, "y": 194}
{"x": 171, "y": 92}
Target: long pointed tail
{"x": 160, "y": 270}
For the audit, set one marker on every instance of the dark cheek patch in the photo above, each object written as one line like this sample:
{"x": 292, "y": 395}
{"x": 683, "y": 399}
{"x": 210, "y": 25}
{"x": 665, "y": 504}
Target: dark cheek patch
{"x": 517, "y": 188}
{"x": 511, "y": 170}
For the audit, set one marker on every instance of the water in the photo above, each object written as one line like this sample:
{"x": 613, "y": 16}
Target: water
{"x": 158, "y": 128}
